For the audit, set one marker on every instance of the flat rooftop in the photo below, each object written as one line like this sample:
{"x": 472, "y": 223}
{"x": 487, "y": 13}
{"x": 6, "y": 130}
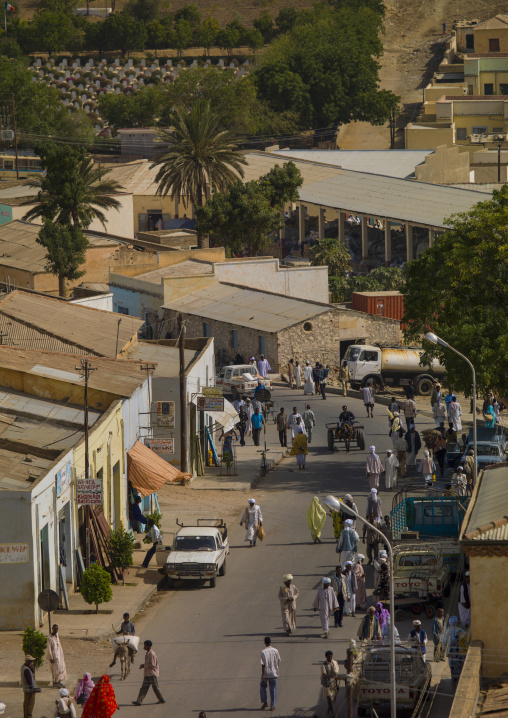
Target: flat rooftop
{"x": 188, "y": 268}
{"x": 391, "y": 163}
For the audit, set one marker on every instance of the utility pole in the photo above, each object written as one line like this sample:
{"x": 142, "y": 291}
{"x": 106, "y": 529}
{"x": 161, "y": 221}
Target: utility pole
{"x": 348, "y": 665}
{"x": 14, "y": 126}
{"x": 86, "y": 369}
{"x": 183, "y": 395}
{"x": 149, "y": 368}
{"x": 498, "y": 165}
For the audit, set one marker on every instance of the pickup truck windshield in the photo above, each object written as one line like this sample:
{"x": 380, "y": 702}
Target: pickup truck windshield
{"x": 195, "y": 543}
{"x": 352, "y": 354}
{"x": 488, "y": 450}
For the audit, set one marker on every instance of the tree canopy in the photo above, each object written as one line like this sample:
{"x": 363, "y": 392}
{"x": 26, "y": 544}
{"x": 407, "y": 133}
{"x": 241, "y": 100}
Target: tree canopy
{"x": 458, "y": 288}
{"x": 333, "y": 253}
{"x": 382, "y": 279}
{"x": 65, "y": 246}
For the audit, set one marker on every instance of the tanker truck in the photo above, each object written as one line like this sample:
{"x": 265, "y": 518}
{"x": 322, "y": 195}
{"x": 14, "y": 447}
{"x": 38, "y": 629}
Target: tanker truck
{"x": 394, "y": 366}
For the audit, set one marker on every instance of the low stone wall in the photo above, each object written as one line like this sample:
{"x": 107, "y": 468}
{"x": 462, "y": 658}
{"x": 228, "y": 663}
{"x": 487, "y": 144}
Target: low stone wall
{"x": 468, "y": 690}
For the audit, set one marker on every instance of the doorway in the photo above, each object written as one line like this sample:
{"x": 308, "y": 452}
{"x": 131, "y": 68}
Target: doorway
{"x": 45, "y": 562}
{"x": 154, "y": 220}
{"x": 64, "y": 542}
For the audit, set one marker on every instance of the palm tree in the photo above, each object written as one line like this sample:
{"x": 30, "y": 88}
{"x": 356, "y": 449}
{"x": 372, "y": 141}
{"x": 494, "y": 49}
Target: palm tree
{"x": 72, "y": 190}
{"x": 199, "y": 153}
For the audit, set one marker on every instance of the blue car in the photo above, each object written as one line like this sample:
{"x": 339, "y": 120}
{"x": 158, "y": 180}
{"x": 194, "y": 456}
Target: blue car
{"x": 490, "y": 446}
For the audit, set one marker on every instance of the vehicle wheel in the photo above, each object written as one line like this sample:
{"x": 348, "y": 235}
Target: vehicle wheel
{"x": 331, "y": 439}
{"x": 430, "y": 610}
{"x": 399, "y": 615}
{"x": 416, "y": 609}
{"x": 424, "y": 386}
{"x": 213, "y": 582}
{"x": 222, "y": 569}
{"x": 170, "y": 583}
{"x": 360, "y": 439}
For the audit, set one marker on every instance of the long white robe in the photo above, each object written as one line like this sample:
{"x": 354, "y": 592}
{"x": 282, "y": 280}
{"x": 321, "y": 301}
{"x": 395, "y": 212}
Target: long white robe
{"x": 54, "y": 652}
{"x": 350, "y": 606}
{"x": 292, "y": 424}
{"x": 390, "y": 466}
{"x": 326, "y": 603}
{"x": 252, "y": 519}
{"x": 298, "y": 376}
{"x": 455, "y": 414}
{"x": 464, "y": 613}
{"x": 309, "y": 386}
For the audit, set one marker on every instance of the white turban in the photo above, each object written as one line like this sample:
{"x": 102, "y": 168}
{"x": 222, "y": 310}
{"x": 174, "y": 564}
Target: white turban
{"x": 326, "y": 580}
{"x": 372, "y": 450}
{"x": 287, "y": 577}
{"x": 360, "y": 557}
{"x": 64, "y": 692}
{"x": 349, "y": 522}
{"x": 373, "y": 491}
{"x": 251, "y": 501}
{"x": 348, "y": 497}
{"x": 348, "y": 563}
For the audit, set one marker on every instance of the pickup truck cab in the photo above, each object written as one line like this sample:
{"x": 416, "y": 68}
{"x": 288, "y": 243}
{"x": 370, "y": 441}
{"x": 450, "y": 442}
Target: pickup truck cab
{"x": 419, "y": 571}
{"x": 240, "y": 380}
{"x": 412, "y": 676}
{"x": 198, "y": 552}
{"x": 490, "y": 444}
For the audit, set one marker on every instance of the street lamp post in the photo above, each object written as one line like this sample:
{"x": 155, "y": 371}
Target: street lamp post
{"x": 434, "y": 339}
{"x": 338, "y": 504}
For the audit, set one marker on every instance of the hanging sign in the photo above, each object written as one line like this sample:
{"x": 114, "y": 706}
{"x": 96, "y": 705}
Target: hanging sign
{"x": 166, "y": 414}
{"x": 210, "y": 403}
{"x": 13, "y": 553}
{"x": 89, "y": 492}
{"x": 161, "y": 446}
{"x": 211, "y": 391}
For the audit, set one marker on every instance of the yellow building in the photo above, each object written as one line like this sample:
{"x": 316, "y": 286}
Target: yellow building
{"x": 474, "y": 117}
{"x": 491, "y": 35}
{"x": 486, "y": 74}
{"x": 484, "y": 540}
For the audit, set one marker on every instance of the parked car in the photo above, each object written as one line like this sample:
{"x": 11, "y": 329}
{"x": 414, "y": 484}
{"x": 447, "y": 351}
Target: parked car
{"x": 490, "y": 446}
{"x": 240, "y": 380}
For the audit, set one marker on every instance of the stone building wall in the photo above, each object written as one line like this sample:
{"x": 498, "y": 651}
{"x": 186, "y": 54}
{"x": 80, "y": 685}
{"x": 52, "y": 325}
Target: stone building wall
{"x": 382, "y": 330}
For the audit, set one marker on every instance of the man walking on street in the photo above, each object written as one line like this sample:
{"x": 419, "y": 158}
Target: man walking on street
{"x": 368, "y": 399}
{"x": 371, "y": 539}
{"x": 409, "y": 409}
{"x": 414, "y": 444}
{"x": 326, "y": 603}
{"x": 323, "y": 376}
{"x": 344, "y": 377}
{"x": 150, "y": 676}
{"x": 55, "y": 656}
{"x": 437, "y": 635}
{"x": 309, "y": 421}
{"x": 155, "y": 535}
{"x": 257, "y": 422}
{"x": 293, "y": 421}
{"x": 270, "y": 663}
{"x": 29, "y": 686}
{"x": 263, "y": 366}
{"x": 282, "y": 427}
{"x": 339, "y": 586}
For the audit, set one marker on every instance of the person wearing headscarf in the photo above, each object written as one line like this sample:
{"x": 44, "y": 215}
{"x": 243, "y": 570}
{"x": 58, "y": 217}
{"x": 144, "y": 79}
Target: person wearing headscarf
{"x": 390, "y": 466}
{"x": 326, "y": 603}
{"x": 368, "y": 399}
{"x": 338, "y": 519}
{"x": 385, "y": 632}
{"x": 308, "y": 377}
{"x": 349, "y": 575}
{"x": 465, "y": 600}
{"x": 65, "y": 705}
{"x": 418, "y": 637}
{"x": 374, "y": 504}
{"x": 361, "y": 593}
{"x": 299, "y": 448}
{"x": 102, "y": 702}
{"x": 455, "y": 641}
{"x": 374, "y": 468}
{"x": 383, "y": 615}
{"x": 395, "y": 425}
{"x": 490, "y": 417}
{"x": 253, "y": 519}
{"x": 439, "y": 412}
{"x": 83, "y": 690}
{"x": 455, "y": 412}
{"x": 382, "y": 558}
{"x": 288, "y": 593}
{"x": 55, "y": 656}
{"x": 369, "y": 627}
{"x": 427, "y": 468}
{"x": 298, "y": 376}
{"x": 316, "y": 516}
{"x": 459, "y": 482}
{"x": 330, "y": 681}
{"x": 347, "y": 544}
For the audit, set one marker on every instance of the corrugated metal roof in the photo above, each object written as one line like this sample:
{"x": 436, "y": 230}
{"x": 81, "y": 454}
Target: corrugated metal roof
{"x": 391, "y": 163}
{"x": 94, "y": 331}
{"x": 396, "y": 199}
{"x": 19, "y": 247}
{"x": 166, "y": 358}
{"x": 246, "y": 308}
{"x": 259, "y": 163}
{"x": 491, "y": 506}
{"x": 188, "y": 268}
{"x": 116, "y": 376}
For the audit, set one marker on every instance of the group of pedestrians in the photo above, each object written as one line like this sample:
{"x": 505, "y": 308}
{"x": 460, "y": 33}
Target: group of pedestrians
{"x": 313, "y": 380}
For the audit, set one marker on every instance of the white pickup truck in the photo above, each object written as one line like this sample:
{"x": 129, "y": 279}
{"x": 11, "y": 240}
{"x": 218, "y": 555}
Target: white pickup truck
{"x": 240, "y": 380}
{"x": 198, "y": 552}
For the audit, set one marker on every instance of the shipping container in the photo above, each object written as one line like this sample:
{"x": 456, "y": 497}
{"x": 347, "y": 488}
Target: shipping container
{"x": 381, "y": 304}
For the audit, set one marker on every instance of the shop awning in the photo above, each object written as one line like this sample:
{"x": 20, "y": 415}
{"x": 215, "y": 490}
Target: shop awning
{"x": 147, "y": 471}
{"x": 227, "y": 418}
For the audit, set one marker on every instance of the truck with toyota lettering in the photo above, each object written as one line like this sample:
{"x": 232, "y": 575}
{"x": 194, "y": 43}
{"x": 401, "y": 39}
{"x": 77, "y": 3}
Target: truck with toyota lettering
{"x": 373, "y": 685}
{"x": 420, "y": 578}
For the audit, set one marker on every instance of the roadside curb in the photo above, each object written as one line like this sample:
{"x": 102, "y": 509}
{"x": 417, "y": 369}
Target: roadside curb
{"x": 271, "y": 466}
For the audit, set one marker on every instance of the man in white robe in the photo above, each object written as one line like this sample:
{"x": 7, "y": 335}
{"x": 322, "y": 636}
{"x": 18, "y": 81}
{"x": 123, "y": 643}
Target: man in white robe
{"x": 263, "y": 366}
{"x": 326, "y": 603}
{"x": 390, "y": 466}
{"x": 293, "y": 422}
{"x": 55, "y": 656}
{"x": 308, "y": 378}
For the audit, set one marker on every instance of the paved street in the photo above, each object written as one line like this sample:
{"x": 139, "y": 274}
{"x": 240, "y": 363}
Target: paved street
{"x": 208, "y": 640}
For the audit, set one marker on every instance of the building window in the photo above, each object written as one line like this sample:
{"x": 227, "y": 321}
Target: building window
{"x": 470, "y": 42}
{"x": 123, "y": 310}
{"x": 234, "y": 339}
{"x": 308, "y": 327}
{"x": 494, "y": 44}
{"x": 503, "y": 88}
{"x": 261, "y": 345}
{"x": 479, "y": 130}
{"x": 462, "y": 133}
{"x": 488, "y": 88}
{"x": 206, "y": 330}
{"x": 142, "y": 222}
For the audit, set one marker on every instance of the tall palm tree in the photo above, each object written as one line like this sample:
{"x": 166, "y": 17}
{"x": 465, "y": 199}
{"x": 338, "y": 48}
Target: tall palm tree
{"x": 199, "y": 153}
{"x": 72, "y": 190}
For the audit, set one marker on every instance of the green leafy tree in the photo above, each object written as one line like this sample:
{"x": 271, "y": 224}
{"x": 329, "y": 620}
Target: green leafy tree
{"x": 64, "y": 7}
{"x": 333, "y": 253}
{"x": 458, "y": 288}
{"x": 66, "y": 247}
{"x": 281, "y": 184}
{"x": 121, "y": 549}
{"x": 264, "y": 24}
{"x": 190, "y": 14}
{"x": 207, "y": 35}
{"x": 122, "y": 32}
{"x": 286, "y": 19}
{"x": 9, "y": 47}
{"x": 72, "y": 190}
{"x": 56, "y": 31}
{"x": 382, "y": 279}
{"x": 138, "y": 109}
{"x": 199, "y": 154}
{"x": 96, "y": 586}
{"x": 144, "y": 10}
{"x": 34, "y": 644}
{"x": 157, "y": 35}
{"x": 254, "y": 39}
{"x": 240, "y": 217}
{"x": 181, "y": 36}
{"x": 228, "y": 39}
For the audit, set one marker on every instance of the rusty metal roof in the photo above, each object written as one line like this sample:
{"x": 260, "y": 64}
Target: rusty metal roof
{"x": 488, "y": 520}
{"x": 37, "y": 321}
{"x": 246, "y": 308}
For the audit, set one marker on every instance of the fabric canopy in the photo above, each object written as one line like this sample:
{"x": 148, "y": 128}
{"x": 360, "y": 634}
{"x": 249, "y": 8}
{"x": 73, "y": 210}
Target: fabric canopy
{"x": 147, "y": 471}
{"x": 227, "y": 418}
